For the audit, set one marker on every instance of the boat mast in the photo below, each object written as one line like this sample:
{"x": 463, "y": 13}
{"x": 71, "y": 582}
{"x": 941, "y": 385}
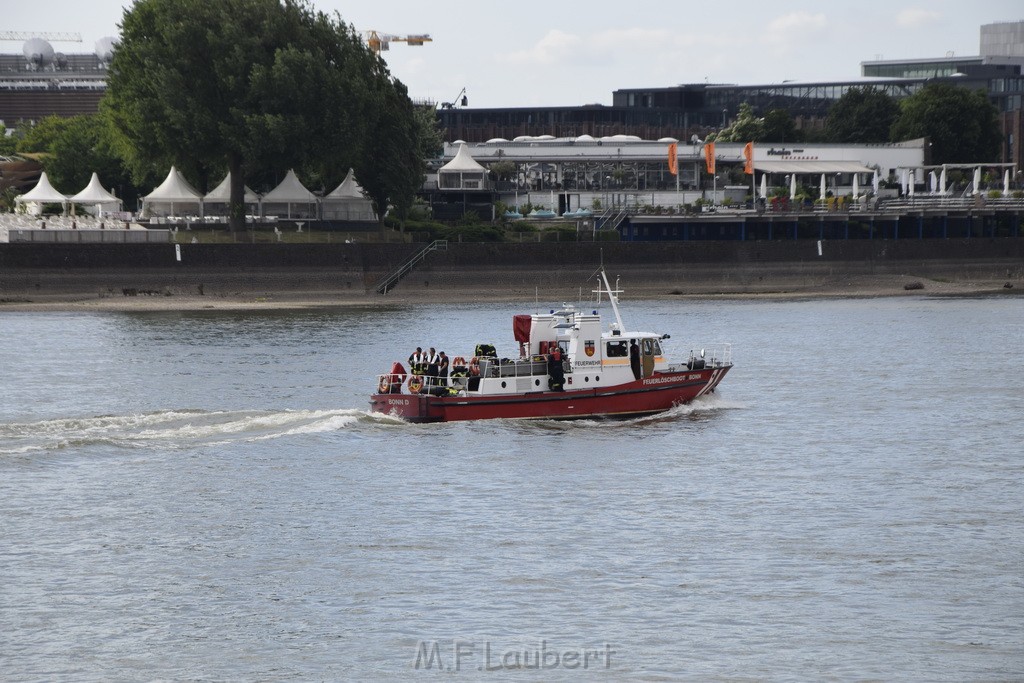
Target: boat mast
{"x": 613, "y": 296}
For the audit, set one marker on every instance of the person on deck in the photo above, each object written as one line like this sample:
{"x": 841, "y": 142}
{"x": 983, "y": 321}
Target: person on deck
{"x": 634, "y": 359}
{"x": 416, "y": 361}
{"x": 432, "y": 361}
{"x": 555, "y": 370}
{"x": 442, "y": 369}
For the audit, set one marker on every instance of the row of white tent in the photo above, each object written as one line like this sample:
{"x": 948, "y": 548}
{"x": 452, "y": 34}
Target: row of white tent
{"x": 92, "y": 195}
{"x": 175, "y": 196}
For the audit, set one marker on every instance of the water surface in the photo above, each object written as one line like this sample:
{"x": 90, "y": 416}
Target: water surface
{"x": 204, "y": 496}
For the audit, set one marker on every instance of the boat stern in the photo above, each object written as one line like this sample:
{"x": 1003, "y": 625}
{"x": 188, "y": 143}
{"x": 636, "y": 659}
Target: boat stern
{"x": 409, "y": 407}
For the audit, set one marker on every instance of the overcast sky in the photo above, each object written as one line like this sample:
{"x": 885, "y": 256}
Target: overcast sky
{"x": 571, "y": 53}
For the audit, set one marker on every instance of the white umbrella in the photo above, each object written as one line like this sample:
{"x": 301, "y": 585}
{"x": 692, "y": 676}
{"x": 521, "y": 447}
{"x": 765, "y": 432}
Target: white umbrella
{"x": 822, "y": 188}
{"x": 942, "y": 181}
{"x": 874, "y": 181}
{"x": 903, "y": 181}
{"x": 1006, "y": 183}
{"x": 933, "y": 182}
{"x": 856, "y": 186}
{"x": 792, "y": 185}
{"x": 911, "y": 180}
{"x": 977, "y": 180}
{"x": 764, "y": 186}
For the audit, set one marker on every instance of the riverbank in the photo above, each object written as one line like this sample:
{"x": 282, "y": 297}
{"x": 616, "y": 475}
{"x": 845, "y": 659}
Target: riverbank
{"x": 839, "y": 287}
{"x": 237, "y": 277}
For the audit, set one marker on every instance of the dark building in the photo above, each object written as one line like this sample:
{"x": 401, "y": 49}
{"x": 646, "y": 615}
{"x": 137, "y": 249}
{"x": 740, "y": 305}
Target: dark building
{"x": 41, "y": 82}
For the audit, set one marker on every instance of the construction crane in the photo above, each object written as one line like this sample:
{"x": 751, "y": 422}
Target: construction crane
{"x": 459, "y": 99}
{"x": 380, "y": 42}
{"x": 28, "y": 35}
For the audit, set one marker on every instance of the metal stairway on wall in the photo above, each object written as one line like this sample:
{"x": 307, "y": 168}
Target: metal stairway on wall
{"x": 396, "y": 276}
{"x": 611, "y": 219}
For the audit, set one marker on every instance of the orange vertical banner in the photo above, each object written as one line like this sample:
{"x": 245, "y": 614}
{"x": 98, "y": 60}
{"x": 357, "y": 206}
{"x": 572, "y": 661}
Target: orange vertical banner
{"x": 673, "y": 159}
{"x": 748, "y": 154}
{"x": 709, "y": 157}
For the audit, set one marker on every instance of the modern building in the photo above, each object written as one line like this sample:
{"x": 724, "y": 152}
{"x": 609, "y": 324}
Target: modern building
{"x": 41, "y": 82}
{"x": 569, "y": 174}
{"x": 686, "y": 110}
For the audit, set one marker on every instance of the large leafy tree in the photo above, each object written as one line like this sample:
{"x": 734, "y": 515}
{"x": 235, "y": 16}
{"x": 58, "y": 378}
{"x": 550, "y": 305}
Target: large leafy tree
{"x": 242, "y": 86}
{"x": 861, "y": 115}
{"x": 392, "y": 169}
{"x": 961, "y": 124}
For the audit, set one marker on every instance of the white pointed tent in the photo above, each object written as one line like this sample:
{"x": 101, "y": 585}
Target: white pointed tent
{"x": 172, "y": 197}
{"x": 347, "y": 202}
{"x": 217, "y": 200}
{"x": 292, "y": 196}
{"x": 96, "y": 197}
{"x": 462, "y": 173}
{"x": 42, "y": 193}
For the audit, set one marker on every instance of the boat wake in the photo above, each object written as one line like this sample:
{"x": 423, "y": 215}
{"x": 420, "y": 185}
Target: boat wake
{"x": 702, "y": 406}
{"x": 179, "y": 428}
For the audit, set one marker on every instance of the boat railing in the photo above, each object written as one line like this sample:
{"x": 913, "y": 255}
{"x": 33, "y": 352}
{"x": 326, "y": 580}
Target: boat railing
{"x": 710, "y": 356}
{"x": 388, "y": 383}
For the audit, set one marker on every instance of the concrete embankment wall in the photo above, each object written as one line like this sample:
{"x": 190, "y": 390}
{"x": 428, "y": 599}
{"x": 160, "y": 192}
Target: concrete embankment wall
{"x": 513, "y": 269}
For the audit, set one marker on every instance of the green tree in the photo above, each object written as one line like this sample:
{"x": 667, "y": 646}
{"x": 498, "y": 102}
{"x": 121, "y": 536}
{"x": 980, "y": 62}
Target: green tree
{"x": 392, "y": 168}
{"x": 40, "y": 137}
{"x": 745, "y": 128}
{"x": 503, "y": 170}
{"x": 779, "y": 127}
{"x": 82, "y": 148}
{"x": 8, "y": 143}
{"x": 238, "y": 85}
{"x": 861, "y": 115}
{"x": 961, "y": 124}
{"x": 429, "y": 130}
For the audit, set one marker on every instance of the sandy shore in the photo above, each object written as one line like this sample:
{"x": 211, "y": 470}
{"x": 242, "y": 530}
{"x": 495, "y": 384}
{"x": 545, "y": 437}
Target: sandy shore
{"x": 860, "y": 286}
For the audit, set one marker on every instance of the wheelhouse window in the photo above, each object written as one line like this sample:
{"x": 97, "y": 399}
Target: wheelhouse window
{"x": 617, "y": 349}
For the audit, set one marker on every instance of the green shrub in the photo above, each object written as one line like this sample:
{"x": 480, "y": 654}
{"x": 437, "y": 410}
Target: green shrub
{"x": 559, "y": 234}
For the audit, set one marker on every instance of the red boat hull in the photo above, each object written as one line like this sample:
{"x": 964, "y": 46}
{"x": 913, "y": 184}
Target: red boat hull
{"x": 654, "y": 394}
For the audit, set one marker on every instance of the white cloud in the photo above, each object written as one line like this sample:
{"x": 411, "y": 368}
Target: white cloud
{"x": 915, "y": 16}
{"x": 794, "y": 23}
{"x": 553, "y": 47}
{"x": 599, "y": 49}
{"x": 785, "y": 33}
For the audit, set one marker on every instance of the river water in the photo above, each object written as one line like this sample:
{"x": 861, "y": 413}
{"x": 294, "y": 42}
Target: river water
{"x": 203, "y": 496}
